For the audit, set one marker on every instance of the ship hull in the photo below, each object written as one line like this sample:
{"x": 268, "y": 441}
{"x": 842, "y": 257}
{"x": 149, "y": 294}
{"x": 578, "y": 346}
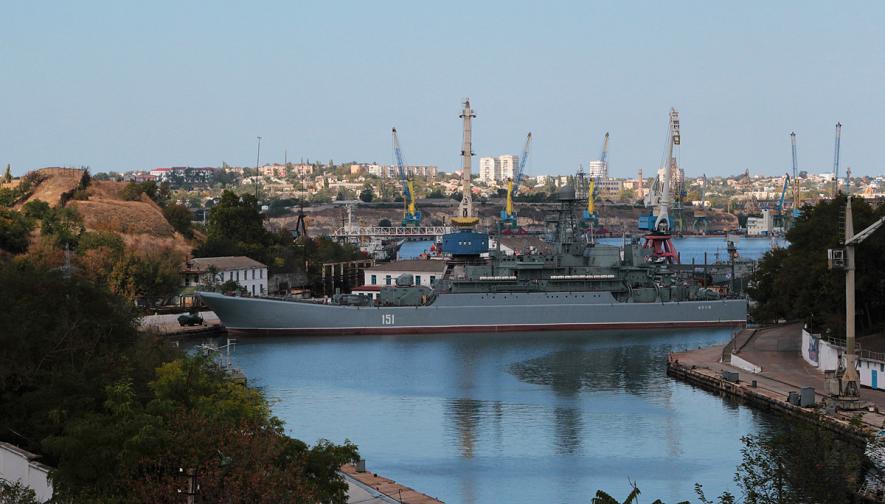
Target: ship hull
{"x": 470, "y": 313}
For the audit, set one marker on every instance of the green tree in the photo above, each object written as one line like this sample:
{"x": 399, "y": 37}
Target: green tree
{"x": 15, "y": 230}
{"x": 7, "y": 176}
{"x": 795, "y": 283}
{"x": 180, "y": 219}
{"x": 117, "y": 413}
{"x": 36, "y": 209}
{"x": 367, "y": 194}
{"x": 63, "y": 225}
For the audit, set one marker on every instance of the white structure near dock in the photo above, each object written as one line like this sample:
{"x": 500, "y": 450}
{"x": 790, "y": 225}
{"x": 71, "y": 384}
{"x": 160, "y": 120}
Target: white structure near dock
{"x": 828, "y": 356}
{"x": 17, "y": 465}
{"x": 424, "y": 271}
{"x": 204, "y": 271}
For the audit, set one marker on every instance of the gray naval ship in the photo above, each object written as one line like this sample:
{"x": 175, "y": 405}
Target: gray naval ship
{"x": 577, "y": 285}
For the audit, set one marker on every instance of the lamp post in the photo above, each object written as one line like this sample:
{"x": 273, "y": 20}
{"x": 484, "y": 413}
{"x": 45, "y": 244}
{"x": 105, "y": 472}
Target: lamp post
{"x": 257, "y": 164}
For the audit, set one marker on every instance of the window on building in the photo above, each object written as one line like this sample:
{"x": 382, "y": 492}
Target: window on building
{"x": 432, "y": 279}
{"x": 253, "y": 289}
{"x": 387, "y": 280}
{"x": 253, "y": 274}
{"x": 374, "y": 279}
{"x": 417, "y": 279}
{"x": 261, "y": 274}
{"x": 238, "y": 275}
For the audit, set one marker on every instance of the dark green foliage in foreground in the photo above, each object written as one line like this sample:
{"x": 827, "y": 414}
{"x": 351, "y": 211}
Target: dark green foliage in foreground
{"x": 795, "y": 284}
{"x": 798, "y": 464}
{"x": 118, "y": 414}
{"x": 16, "y": 493}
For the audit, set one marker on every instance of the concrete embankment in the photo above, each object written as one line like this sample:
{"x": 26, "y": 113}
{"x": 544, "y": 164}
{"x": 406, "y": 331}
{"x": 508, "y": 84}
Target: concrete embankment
{"x": 762, "y": 367}
{"x": 368, "y": 487}
{"x": 167, "y": 325}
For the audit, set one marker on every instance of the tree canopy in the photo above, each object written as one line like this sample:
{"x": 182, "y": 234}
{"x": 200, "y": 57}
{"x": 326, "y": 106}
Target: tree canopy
{"x": 795, "y": 284}
{"x": 126, "y": 416}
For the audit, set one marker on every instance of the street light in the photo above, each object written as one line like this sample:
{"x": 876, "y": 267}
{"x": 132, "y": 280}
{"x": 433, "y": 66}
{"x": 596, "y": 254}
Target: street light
{"x": 257, "y": 164}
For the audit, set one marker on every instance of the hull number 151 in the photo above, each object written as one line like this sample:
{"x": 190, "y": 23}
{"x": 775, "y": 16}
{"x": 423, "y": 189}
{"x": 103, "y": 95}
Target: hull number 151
{"x": 387, "y": 319}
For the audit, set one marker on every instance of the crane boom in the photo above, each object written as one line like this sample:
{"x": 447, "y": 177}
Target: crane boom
{"x": 780, "y": 202}
{"x": 662, "y": 222}
{"x": 508, "y": 216}
{"x": 411, "y": 216}
{"x": 604, "y": 156}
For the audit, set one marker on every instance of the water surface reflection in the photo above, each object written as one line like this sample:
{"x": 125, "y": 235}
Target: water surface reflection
{"x": 509, "y": 418}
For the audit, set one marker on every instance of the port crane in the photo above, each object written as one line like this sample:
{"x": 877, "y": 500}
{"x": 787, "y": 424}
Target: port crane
{"x": 836, "y": 159}
{"x": 658, "y": 223}
{"x": 797, "y": 204}
{"x": 508, "y": 214}
{"x": 411, "y": 216}
{"x": 589, "y": 215}
{"x": 779, "y": 206}
{"x": 848, "y": 383}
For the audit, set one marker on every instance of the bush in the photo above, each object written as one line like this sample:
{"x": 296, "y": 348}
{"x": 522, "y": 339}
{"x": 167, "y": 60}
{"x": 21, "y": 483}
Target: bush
{"x": 180, "y": 219}
{"x": 36, "y": 209}
{"x": 15, "y": 230}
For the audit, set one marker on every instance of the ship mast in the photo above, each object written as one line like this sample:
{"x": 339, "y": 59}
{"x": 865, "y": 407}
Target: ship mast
{"x": 466, "y": 215}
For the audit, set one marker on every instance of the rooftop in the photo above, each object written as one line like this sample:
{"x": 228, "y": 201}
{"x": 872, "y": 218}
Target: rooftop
{"x": 226, "y": 263}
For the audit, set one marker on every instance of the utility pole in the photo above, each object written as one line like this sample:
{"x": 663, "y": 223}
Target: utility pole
{"x": 257, "y": 164}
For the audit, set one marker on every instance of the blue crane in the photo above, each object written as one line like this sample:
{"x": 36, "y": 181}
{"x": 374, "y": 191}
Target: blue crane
{"x": 411, "y": 216}
{"x": 780, "y": 202}
{"x": 508, "y": 214}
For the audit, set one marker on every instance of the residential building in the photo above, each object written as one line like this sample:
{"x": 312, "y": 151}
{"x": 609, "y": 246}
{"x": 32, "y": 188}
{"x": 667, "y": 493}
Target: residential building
{"x": 489, "y": 169}
{"x": 302, "y": 169}
{"x": 609, "y": 187}
{"x": 597, "y": 169}
{"x": 761, "y": 226}
{"x": 508, "y": 164}
{"x": 246, "y": 272}
{"x": 424, "y": 271}
{"x": 273, "y": 170}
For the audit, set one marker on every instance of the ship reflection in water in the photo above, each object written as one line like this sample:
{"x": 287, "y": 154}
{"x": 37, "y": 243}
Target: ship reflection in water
{"x": 510, "y": 417}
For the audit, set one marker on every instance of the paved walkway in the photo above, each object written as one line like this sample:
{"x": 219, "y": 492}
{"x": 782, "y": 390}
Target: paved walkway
{"x": 777, "y": 351}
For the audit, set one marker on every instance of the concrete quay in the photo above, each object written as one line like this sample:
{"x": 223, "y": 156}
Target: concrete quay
{"x": 368, "y": 487}
{"x": 167, "y": 325}
{"x": 774, "y": 355}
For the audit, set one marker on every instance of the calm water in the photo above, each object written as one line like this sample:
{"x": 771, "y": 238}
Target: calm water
{"x": 510, "y": 418}
{"x": 547, "y": 417}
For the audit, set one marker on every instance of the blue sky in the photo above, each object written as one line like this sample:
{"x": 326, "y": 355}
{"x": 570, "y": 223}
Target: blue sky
{"x": 134, "y": 85}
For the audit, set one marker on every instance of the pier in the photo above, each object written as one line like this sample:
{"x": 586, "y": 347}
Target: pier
{"x": 762, "y": 367}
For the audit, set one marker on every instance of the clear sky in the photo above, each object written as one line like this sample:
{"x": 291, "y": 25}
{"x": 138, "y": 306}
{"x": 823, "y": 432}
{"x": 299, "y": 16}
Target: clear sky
{"x": 123, "y": 85}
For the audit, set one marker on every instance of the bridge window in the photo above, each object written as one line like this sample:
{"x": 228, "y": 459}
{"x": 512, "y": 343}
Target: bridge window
{"x": 374, "y": 279}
